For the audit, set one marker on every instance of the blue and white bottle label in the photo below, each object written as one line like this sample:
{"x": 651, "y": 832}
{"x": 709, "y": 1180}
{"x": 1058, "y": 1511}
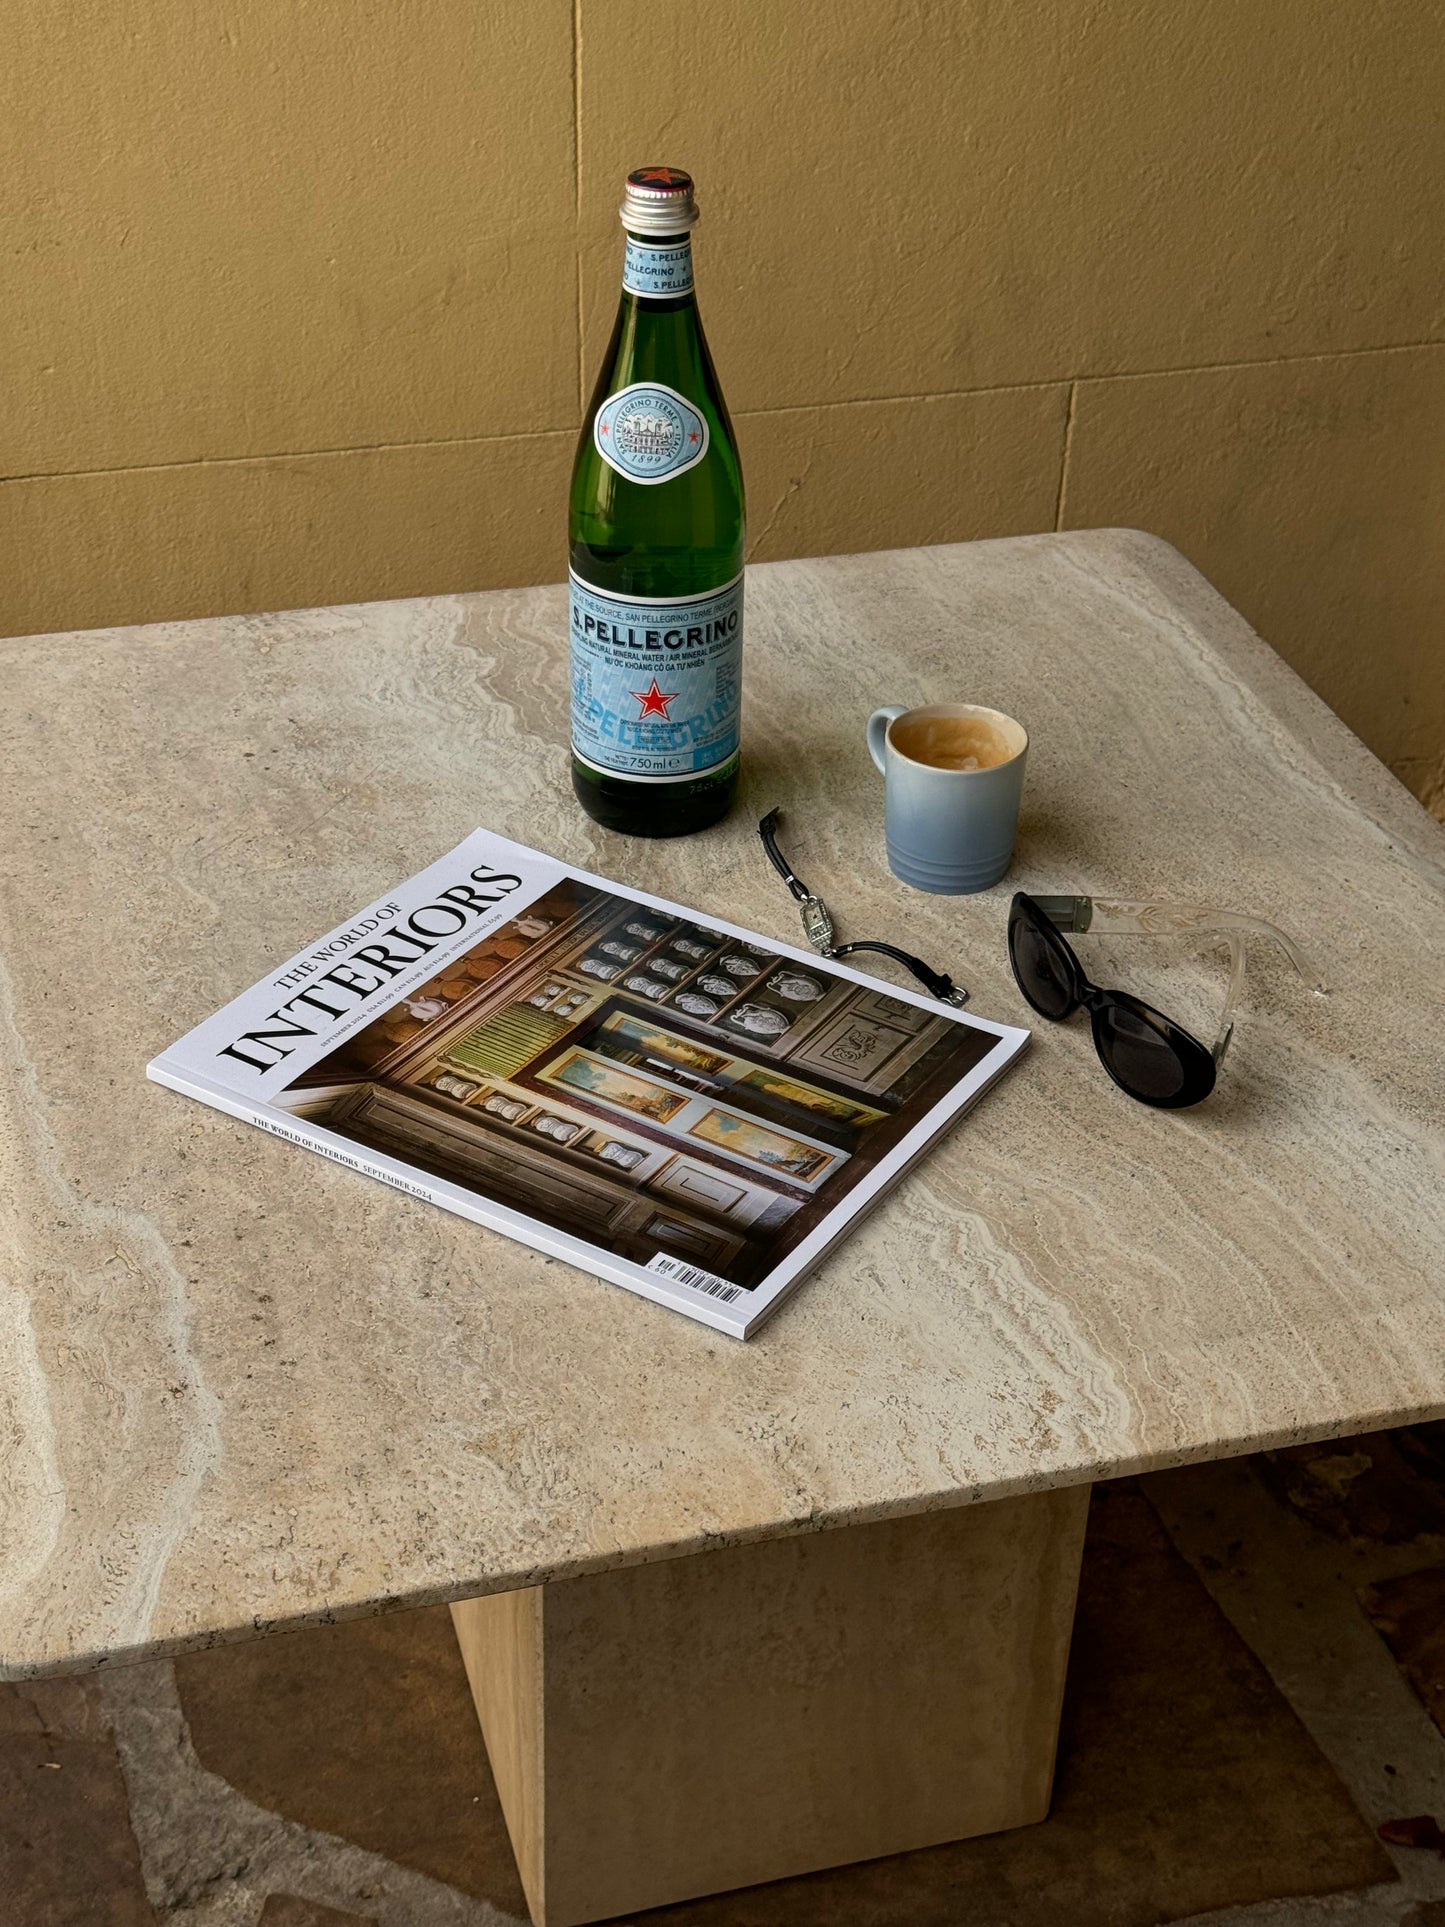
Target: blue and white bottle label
{"x": 649, "y": 433}
{"x": 656, "y": 686}
{"x": 657, "y": 269}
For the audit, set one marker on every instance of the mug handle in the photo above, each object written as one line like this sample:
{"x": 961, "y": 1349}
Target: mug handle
{"x": 878, "y": 729}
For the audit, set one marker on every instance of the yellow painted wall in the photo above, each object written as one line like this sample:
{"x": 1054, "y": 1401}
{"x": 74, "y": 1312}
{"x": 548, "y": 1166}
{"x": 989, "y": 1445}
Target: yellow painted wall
{"x": 303, "y": 298}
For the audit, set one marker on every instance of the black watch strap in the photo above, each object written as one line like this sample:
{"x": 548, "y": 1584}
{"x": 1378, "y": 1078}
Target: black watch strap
{"x": 818, "y": 924}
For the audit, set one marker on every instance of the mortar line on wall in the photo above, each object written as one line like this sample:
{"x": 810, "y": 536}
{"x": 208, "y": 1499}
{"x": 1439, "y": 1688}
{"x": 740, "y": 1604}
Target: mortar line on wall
{"x": 1064, "y": 456}
{"x": 290, "y": 455}
{"x": 1266, "y": 361}
{"x": 577, "y": 188}
{"x": 577, "y": 109}
{"x": 921, "y": 394}
{"x": 476, "y": 441}
{"x": 470, "y": 441}
{"x": 747, "y": 414}
{"x": 581, "y": 364}
{"x": 1079, "y": 381}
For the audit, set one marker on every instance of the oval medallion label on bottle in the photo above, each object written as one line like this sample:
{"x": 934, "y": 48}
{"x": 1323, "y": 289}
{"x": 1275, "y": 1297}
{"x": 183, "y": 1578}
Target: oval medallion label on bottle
{"x": 657, "y": 270}
{"x": 656, "y": 685}
{"x": 649, "y": 433}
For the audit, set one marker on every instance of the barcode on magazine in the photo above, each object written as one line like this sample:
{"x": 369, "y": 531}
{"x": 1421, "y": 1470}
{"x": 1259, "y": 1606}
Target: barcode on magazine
{"x": 695, "y": 1276}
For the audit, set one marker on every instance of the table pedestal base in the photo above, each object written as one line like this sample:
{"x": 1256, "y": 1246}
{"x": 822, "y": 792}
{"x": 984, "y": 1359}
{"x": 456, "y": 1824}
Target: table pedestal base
{"x": 712, "y": 1721}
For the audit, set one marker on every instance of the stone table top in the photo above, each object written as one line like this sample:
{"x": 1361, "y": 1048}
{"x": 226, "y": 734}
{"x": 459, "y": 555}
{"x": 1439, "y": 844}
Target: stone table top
{"x": 242, "y": 1388}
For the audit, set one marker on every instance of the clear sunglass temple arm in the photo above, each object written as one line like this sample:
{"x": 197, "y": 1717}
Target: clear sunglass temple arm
{"x": 1109, "y": 916}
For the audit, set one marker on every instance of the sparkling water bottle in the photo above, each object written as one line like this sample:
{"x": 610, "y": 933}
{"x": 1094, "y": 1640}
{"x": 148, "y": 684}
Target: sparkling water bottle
{"x": 656, "y": 532}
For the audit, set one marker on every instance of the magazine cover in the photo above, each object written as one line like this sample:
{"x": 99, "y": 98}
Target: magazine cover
{"x": 651, "y": 1093}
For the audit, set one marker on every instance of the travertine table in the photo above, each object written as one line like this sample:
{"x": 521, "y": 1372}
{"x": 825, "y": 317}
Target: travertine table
{"x": 242, "y": 1390}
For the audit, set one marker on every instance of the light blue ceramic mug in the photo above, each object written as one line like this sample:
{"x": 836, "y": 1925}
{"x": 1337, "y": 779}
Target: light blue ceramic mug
{"x": 955, "y": 775}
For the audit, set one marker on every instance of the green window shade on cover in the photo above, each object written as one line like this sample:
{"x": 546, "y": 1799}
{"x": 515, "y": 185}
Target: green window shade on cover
{"x": 506, "y": 1043}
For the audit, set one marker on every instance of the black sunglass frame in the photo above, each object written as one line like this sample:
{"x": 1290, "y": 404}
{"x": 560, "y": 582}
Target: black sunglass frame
{"x": 1196, "y": 1061}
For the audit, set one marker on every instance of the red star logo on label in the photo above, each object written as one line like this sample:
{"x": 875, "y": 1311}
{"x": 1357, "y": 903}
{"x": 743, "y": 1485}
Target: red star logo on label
{"x": 653, "y": 702}
{"x": 605, "y": 429}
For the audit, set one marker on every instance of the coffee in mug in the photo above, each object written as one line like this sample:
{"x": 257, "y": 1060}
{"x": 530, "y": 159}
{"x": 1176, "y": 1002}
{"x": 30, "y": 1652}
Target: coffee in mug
{"x": 952, "y": 739}
{"x": 955, "y": 776}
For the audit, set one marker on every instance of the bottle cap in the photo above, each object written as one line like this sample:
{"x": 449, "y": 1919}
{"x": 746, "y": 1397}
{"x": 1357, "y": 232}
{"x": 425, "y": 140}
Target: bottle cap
{"x": 658, "y": 200}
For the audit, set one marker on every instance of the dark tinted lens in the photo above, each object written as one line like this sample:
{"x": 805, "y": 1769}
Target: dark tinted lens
{"x": 1042, "y": 973}
{"x": 1139, "y": 1054}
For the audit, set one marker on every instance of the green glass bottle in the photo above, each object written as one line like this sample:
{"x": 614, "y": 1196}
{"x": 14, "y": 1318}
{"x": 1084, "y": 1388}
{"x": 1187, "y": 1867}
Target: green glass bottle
{"x": 656, "y": 532}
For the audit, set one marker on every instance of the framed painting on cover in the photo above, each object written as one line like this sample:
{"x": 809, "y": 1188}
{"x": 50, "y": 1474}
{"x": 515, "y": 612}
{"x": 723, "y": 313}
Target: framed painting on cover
{"x": 839, "y": 1110}
{"x": 745, "y": 1138}
{"x": 610, "y": 1084}
{"x": 666, "y": 1044}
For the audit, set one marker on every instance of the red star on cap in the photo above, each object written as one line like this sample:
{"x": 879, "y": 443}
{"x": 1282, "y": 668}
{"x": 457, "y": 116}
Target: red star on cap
{"x": 693, "y": 436}
{"x": 653, "y": 702}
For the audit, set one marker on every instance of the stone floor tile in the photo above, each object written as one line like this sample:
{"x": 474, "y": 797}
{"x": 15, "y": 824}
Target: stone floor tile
{"x": 289, "y": 1910}
{"x": 68, "y": 1857}
{"x": 1409, "y": 1613}
{"x": 1384, "y": 1486}
{"x": 67, "y": 1708}
{"x": 1292, "y": 1592}
{"x": 212, "y": 1857}
{"x": 365, "y": 1730}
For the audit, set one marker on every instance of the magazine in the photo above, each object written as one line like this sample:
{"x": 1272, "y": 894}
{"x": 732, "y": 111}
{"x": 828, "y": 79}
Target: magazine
{"x": 649, "y": 1092}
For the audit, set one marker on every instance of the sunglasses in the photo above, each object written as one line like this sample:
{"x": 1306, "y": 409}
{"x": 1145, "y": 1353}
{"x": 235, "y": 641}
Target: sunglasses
{"x": 1147, "y": 1054}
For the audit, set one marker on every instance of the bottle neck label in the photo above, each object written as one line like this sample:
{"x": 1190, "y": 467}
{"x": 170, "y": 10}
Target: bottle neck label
{"x": 649, "y": 433}
{"x": 657, "y": 270}
{"x": 656, "y": 685}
